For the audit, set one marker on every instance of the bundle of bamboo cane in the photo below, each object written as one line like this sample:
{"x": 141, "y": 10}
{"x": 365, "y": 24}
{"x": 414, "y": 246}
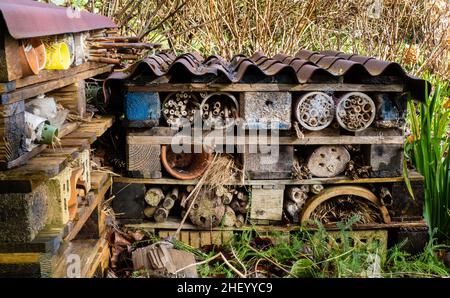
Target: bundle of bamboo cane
{"x": 107, "y": 46}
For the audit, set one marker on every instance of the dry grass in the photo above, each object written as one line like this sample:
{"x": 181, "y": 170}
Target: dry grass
{"x": 414, "y": 33}
{"x": 344, "y": 208}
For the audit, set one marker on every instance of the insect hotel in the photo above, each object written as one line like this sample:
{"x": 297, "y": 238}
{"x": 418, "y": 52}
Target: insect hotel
{"x": 281, "y": 142}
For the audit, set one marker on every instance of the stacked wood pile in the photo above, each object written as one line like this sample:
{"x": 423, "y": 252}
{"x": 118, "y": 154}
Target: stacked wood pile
{"x": 107, "y": 46}
{"x": 227, "y": 205}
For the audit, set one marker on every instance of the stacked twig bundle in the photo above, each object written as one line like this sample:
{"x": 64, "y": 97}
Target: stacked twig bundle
{"x": 106, "y": 46}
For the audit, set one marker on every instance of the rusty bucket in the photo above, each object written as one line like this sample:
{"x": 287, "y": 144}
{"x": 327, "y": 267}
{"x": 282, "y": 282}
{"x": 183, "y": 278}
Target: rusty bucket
{"x": 184, "y": 166}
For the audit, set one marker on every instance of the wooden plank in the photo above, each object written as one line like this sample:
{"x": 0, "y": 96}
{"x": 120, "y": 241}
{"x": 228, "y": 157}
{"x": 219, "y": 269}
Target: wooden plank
{"x": 19, "y": 258}
{"x": 205, "y": 238}
{"x": 98, "y": 179}
{"x": 246, "y": 140}
{"x": 35, "y": 90}
{"x": 67, "y": 128}
{"x": 23, "y": 159}
{"x": 227, "y": 236}
{"x": 82, "y": 218}
{"x": 82, "y": 144}
{"x": 163, "y": 234}
{"x": 271, "y": 228}
{"x": 184, "y": 237}
{"x": 203, "y": 87}
{"x": 194, "y": 239}
{"x": 216, "y": 237}
{"x": 100, "y": 261}
{"x": 413, "y": 176}
{"x": 71, "y": 153}
{"x": 89, "y": 252}
{"x": 90, "y": 136}
{"x": 98, "y": 125}
{"x": 47, "y": 241}
{"x": 51, "y": 166}
{"x": 47, "y": 75}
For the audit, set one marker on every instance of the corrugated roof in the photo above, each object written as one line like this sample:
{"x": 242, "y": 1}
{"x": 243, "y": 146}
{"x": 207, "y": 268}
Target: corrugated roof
{"x": 27, "y": 18}
{"x": 304, "y": 67}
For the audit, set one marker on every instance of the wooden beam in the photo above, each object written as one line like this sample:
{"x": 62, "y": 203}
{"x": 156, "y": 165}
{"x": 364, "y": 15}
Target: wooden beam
{"x": 36, "y": 89}
{"x": 240, "y": 87}
{"x": 413, "y": 176}
{"x": 173, "y": 223}
{"x": 246, "y": 140}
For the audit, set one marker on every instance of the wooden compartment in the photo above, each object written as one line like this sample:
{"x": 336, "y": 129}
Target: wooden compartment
{"x": 72, "y": 97}
{"x": 142, "y": 109}
{"x": 266, "y": 203}
{"x": 260, "y": 110}
{"x": 275, "y": 164}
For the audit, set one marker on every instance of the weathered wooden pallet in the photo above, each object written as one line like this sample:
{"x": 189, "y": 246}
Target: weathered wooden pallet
{"x": 49, "y": 81}
{"x": 49, "y": 254}
{"x": 49, "y": 162}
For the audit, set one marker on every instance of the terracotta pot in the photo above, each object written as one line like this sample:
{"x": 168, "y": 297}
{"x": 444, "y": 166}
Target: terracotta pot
{"x": 28, "y": 59}
{"x": 184, "y": 166}
{"x": 41, "y": 53}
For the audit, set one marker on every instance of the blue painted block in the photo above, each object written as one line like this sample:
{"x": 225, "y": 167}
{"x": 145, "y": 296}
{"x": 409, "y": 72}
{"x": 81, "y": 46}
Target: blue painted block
{"x": 141, "y": 106}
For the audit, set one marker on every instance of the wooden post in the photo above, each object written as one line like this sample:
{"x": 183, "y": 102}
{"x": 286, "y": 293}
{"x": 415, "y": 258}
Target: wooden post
{"x": 9, "y": 57}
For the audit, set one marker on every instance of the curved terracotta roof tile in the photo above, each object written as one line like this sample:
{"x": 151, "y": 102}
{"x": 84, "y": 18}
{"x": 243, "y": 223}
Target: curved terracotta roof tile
{"x": 305, "y": 67}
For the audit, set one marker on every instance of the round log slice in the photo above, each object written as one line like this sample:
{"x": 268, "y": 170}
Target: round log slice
{"x": 207, "y": 211}
{"x": 328, "y": 161}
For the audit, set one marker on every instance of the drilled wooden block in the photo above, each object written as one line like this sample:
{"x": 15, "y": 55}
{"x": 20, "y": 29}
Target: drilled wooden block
{"x": 144, "y": 159}
{"x": 276, "y": 164}
{"x": 262, "y": 110}
{"x": 22, "y": 216}
{"x": 267, "y": 204}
